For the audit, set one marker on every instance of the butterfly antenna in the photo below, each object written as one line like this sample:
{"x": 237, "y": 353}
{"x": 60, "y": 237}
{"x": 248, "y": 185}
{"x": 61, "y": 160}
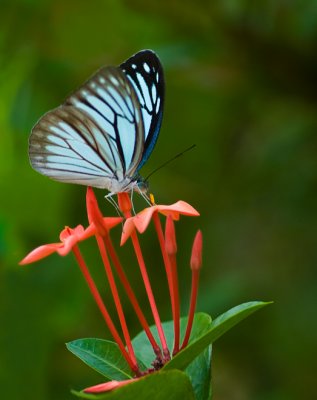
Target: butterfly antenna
{"x": 131, "y": 199}
{"x": 170, "y": 160}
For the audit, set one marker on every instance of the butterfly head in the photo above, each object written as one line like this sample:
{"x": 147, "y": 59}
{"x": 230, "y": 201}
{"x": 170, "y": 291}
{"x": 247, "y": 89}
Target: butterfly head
{"x": 142, "y": 185}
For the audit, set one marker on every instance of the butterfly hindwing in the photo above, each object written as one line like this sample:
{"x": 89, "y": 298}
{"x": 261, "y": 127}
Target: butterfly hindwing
{"x": 95, "y": 136}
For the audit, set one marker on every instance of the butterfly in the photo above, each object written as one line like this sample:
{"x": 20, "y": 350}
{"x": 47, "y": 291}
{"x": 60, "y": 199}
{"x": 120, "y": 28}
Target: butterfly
{"x": 106, "y": 130}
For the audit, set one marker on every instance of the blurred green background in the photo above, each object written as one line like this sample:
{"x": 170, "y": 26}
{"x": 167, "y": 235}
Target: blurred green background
{"x": 241, "y": 84}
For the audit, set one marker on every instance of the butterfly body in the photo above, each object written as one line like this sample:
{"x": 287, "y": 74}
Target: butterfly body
{"x": 105, "y": 131}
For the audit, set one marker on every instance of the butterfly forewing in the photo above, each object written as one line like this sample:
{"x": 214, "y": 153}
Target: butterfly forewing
{"x": 146, "y": 74}
{"x": 95, "y": 136}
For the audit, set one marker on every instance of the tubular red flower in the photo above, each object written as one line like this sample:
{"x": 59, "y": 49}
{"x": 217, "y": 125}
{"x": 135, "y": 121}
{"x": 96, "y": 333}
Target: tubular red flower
{"x": 69, "y": 238}
{"x": 116, "y": 297}
{"x": 171, "y": 249}
{"x": 96, "y": 295}
{"x": 130, "y": 293}
{"x": 125, "y": 203}
{"x": 99, "y": 227}
{"x": 102, "y": 225}
{"x": 169, "y": 258}
{"x": 150, "y": 295}
{"x": 95, "y": 217}
{"x": 141, "y": 220}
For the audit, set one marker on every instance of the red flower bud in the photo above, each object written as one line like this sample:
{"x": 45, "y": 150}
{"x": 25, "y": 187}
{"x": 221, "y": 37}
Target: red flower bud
{"x": 196, "y": 257}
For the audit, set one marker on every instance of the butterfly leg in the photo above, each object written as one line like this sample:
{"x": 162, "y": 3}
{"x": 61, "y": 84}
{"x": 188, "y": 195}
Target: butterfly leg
{"x": 112, "y": 201}
{"x": 145, "y": 196}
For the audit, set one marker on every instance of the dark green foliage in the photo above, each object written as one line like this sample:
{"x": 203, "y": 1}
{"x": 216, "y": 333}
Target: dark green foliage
{"x": 241, "y": 84}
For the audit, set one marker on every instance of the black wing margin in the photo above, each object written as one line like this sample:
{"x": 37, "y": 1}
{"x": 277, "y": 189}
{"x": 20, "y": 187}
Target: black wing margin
{"x": 145, "y": 72}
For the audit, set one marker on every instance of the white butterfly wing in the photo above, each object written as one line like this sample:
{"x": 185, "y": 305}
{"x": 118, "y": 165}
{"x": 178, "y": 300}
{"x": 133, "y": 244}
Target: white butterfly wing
{"x": 95, "y": 137}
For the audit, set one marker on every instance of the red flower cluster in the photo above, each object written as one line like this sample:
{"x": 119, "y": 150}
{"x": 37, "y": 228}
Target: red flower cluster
{"x": 100, "y": 227}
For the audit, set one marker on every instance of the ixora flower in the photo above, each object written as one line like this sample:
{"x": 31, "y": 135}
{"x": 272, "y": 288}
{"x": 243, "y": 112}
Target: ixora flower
{"x": 171, "y": 356}
{"x": 141, "y": 220}
{"x": 68, "y": 239}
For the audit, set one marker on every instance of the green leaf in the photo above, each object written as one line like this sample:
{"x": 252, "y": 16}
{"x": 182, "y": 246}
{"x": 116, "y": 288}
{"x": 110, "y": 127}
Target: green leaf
{"x": 103, "y": 356}
{"x": 218, "y": 327}
{"x": 199, "y": 371}
{"x": 143, "y": 348}
{"x": 169, "y": 385}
